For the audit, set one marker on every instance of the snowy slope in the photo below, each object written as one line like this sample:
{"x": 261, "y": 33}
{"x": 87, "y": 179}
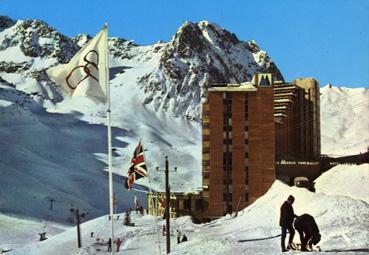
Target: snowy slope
{"x": 344, "y": 120}
{"x": 335, "y": 182}
{"x": 343, "y": 222}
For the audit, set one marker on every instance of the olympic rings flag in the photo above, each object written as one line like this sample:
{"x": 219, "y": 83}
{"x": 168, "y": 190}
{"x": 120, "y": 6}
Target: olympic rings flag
{"x": 85, "y": 74}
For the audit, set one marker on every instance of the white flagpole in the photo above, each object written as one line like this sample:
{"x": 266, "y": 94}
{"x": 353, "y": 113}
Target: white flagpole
{"x": 109, "y": 140}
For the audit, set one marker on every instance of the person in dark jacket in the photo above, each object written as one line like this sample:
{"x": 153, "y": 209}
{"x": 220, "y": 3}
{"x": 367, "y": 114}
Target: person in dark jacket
{"x": 285, "y": 221}
{"x": 179, "y": 234}
{"x": 308, "y": 231}
{"x": 109, "y": 245}
{"x": 184, "y": 238}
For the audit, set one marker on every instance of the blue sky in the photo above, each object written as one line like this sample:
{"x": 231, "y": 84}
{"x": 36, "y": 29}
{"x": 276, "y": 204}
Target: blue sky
{"x": 324, "y": 39}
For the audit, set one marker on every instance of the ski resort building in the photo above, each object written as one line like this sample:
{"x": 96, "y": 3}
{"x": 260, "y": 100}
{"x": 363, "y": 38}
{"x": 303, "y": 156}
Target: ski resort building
{"x": 248, "y": 131}
{"x": 180, "y": 204}
{"x": 297, "y": 115}
{"x": 297, "y": 120}
{"x": 252, "y": 133}
{"x": 238, "y": 144}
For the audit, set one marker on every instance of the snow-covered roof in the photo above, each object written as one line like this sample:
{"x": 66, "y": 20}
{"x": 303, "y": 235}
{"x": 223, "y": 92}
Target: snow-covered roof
{"x": 234, "y": 87}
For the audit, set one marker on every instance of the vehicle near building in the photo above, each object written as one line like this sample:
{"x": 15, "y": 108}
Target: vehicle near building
{"x": 303, "y": 182}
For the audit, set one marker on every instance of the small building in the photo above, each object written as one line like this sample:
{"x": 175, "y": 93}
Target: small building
{"x": 181, "y": 204}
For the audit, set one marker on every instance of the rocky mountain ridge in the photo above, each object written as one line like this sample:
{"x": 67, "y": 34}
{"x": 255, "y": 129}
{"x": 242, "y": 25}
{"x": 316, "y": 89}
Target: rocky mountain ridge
{"x": 178, "y": 72}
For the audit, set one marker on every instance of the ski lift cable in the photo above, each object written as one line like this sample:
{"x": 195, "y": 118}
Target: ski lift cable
{"x": 322, "y": 105}
{"x": 327, "y": 116}
{"x": 324, "y": 116}
{"x": 46, "y": 221}
{"x": 329, "y": 113}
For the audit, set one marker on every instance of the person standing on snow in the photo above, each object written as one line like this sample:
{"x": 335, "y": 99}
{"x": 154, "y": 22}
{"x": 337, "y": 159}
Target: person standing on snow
{"x": 118, "y": 242}
{"x": 178, "y": 236}
{"x": 109, "y": 245}
{"x": 164, "y": 230}
{"x": 285, "y": 221}
{"x": 184, "y": 238}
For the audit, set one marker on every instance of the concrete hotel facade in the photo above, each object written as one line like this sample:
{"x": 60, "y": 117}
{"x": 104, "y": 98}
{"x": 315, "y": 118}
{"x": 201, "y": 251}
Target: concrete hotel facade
{"x": 297, "y": 116}
{"x": 253, "y": 133}
{"x": 238, "y": 145}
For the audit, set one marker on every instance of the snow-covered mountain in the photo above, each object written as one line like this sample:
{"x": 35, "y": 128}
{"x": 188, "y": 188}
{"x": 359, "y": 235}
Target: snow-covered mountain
{"x": 54, "y": 147}
{"x": 172, "y": 76}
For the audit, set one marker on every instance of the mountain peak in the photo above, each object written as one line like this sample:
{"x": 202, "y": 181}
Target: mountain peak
{"x": 204, "y": 31}
{"x": 36, "y": 38}
{"x": 82, "y": 39}
{"x": 6, "y": 22}
{"x": 200, "y": 54}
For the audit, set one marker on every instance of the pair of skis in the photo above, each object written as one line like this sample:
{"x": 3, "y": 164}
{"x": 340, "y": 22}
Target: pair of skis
{"x": 297, "y": 247}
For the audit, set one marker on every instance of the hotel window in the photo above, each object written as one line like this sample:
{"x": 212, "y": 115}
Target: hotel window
{"x": 205, "y": 125}
{"x": 205, "y": 156}
{"x": 227, "y": 122}
{"x": 246, "y": 179}
{"x": 229, "y": 167}
{"x": 227, "y": 141}
{"x": 227, "y": 110}
{"x": 229, "y": 134}
{"x": 229, "y": 148}
{"x": 205, "y": 162}
{"x": 246, "y": 197}
{"x": 205, "y": 149}
{"x": 227, "y": 97}
{"x": 246, "y": 112}
{"x": 205, "y": 137}
{"x": 246, "y": 161}
{"x": 227, "y": 157}
{"x": 199, "y": 204}
{"x": 229, "y": 182}
{"x": 186, "y": 204}
{"x": 225, "y": 196}
{"x": 205, "y": 107}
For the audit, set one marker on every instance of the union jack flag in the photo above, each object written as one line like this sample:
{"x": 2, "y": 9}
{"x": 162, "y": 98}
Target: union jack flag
{"x": 138, "y": 167}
